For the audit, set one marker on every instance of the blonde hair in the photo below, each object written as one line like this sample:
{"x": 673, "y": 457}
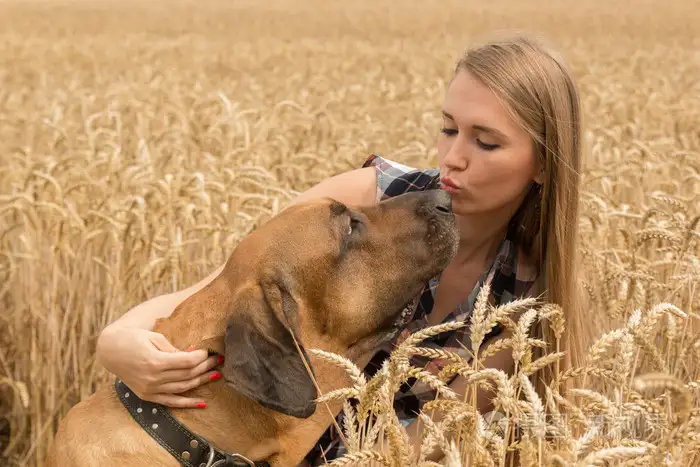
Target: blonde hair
{"x": 537, "y": 88}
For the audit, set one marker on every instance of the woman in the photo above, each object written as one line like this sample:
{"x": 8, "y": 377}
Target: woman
{"x": 508, "y": 154}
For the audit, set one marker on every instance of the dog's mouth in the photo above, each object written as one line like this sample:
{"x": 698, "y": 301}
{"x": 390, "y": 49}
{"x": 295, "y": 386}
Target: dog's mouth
{"x": 405, "y": 316}
{"x": 386, "y": 333}
{"x": 398, "y": 324}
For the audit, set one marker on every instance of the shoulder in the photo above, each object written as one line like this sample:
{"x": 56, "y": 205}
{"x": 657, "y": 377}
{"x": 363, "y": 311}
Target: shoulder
{"x": 377, "y": 179}
{"x": 394, "y": 178}
{"x": 357, "y": 187}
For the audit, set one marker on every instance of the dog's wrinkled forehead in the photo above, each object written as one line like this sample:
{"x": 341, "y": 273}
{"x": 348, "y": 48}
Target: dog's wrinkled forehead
{"x": 300, "y": 237}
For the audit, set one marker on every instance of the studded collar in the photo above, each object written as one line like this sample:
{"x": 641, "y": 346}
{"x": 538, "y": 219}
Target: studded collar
{"x": 190, "y": 449}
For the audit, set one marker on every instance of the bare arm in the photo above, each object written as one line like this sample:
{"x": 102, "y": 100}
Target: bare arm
{"x": 150, "y": 365}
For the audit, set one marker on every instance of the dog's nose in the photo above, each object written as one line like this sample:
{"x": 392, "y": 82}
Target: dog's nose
{"x": 428, "y": 204}
{"x": 440, "y": 201}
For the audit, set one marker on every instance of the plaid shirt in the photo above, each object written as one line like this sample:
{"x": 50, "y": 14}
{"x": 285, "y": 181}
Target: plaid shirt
{"x": 509, "y": 276}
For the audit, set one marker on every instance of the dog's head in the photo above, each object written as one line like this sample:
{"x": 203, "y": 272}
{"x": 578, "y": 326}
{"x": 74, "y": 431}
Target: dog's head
{"x": 328, "y": 275}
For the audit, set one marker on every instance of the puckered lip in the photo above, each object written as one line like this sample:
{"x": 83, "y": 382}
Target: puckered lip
{"x": 449, "y": 183}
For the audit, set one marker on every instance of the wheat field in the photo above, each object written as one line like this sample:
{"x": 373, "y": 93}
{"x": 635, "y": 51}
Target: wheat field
{"x": 140, "y": 141}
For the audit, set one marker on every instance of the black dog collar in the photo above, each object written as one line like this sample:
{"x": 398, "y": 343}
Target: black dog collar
{"x": 188, "y": 448}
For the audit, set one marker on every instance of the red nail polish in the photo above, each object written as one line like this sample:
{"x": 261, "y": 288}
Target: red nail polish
{"x": 201, "y": 405}
{"x": 215, "y": 376}
{"x": 220, "y": 360}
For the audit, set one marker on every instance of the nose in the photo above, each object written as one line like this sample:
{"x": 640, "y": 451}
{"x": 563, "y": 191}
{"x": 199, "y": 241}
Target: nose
{"x": 434, "y": 203}
{"x": 457, "y": 159}
{"x": 439, "y": 201}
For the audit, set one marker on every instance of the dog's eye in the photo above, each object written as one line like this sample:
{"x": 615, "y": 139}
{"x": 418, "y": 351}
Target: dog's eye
{"x": 352, "y": 234}
{"x": 354, "y": 226}
{"x": 354, "y": 223}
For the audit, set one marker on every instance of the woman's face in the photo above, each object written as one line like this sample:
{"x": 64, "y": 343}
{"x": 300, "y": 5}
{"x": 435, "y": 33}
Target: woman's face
{"x": 486, "y": 160}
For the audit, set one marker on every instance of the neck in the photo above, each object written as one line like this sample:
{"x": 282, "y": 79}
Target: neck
{"x": 480, "y": 237}
{"x": 237, "y": 424}
{"x": 233, "y": 422}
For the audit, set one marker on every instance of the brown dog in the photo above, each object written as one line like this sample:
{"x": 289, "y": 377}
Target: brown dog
{"x": 320, "y": 274}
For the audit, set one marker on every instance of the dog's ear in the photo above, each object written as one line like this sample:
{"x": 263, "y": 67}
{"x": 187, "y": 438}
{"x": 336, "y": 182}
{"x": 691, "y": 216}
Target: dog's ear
{"x": 261, "y": 359}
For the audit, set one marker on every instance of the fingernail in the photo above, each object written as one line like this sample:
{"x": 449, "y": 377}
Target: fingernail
{"x": 192, "y": 348}
{"x": 220, "y": 360}
{"x": 215, "y": 376}
{"x": 201, "y": 405}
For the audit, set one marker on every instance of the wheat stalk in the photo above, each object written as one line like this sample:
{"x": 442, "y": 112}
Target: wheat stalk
{"x": 128, "y": 175}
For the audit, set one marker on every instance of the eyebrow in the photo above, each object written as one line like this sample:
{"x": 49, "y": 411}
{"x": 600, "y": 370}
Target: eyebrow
{"x": 483, "y": 128}
{"x": 337, "y": 208}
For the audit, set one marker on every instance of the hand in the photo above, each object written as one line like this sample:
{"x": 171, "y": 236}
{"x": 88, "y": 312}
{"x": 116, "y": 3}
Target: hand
{"x": 154, "y": 369}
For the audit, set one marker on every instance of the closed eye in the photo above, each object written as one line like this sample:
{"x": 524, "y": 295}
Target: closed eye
{"x": 482, "y": 145}
{"x": 487, "y": 147}
{"x": 353, "y": 232}
{"x": 354, "y": 226}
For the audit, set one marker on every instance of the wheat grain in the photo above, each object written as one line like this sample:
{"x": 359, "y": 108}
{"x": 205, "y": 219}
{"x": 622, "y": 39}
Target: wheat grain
{"x": 126, "y": 175}
{"x": 613, "y": 454}
{"x": 360, "y": 458}
{"x": 653, "y": 381}
{"x": 358, "y": 378}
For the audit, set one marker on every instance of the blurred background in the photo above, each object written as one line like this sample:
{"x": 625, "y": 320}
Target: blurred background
{"x": 140, "y": 141}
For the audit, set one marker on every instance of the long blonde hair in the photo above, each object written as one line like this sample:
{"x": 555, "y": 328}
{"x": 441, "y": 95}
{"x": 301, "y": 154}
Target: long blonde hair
{"x": 538, "y": 89}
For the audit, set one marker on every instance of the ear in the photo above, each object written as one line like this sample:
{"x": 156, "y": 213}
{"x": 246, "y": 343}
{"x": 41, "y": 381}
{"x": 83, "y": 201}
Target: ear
{"x": 262, "y": 361}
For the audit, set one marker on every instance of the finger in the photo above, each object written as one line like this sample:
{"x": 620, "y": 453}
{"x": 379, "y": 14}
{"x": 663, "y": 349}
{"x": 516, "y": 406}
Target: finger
{"x": 188, "y": 373}
{"x": 161, "y": 343}
{"x": 173, "y": 400}
{"x": 178, "y": 387}
{"x": 183, "y": 360}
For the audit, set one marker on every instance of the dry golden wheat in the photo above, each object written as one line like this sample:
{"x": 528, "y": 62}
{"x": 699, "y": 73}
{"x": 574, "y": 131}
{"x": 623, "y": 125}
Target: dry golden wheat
{"x": 140, "y": 141}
